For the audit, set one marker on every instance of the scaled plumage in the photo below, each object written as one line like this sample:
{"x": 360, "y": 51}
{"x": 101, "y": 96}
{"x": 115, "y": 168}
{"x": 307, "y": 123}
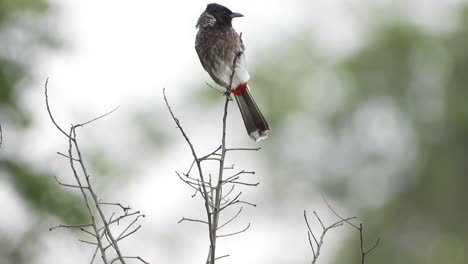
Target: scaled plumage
{"x": 217, "y": 44}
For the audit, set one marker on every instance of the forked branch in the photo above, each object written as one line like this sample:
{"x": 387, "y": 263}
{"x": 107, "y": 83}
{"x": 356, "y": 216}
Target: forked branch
{"x": 211, "y": 188}
{"x": 316, "y": 242}
{"x": 99, "y": 227}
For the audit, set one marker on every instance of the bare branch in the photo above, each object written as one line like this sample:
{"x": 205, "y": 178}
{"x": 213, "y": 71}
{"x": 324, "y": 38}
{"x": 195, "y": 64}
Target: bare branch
{"x": 211, "y": 154}
{"x": 72, "y": 139}
{"x": 124, "y": 208}
{"x": 228, "y": 193}
{"x": 310, "y": 231}
{"x": 88, "y": 242}
{"x": 211, "y": 187}
{"x": 49, "y": 111}
{"x": 192, "y": 220}
{"x": 319, "y": 242}
{"x": 121, "y": 236}
{"x": 248, "y": 149}
{"x": 359, "y": 228}
{"x": 230, "y": 167}
{"x": 120, "y": 218}
{"x": 129, "y": 233}
{"x": 232, "y": 218}
{"x": 339, "y": 216}
{"x": 243, "y": 183}
{"x": 70, "y": 226}
{"x": 373, "y": 247}
{"x": 235, "y": 233}
{"x": 87, "y": 232}
{"x": 310, "y": 241}
{"x": 90, "y": 197}
{"x": 223, "y": 256}
{"x": 91, "y": 190}
{"x": 363, "y": 251}
{"x": 238, "y": 174}
{"x": 247, "y": 203}
{"x": 203, "y": 192}
{"x": 66, "y": 156}
{"x": 191, "y": 166}
{"x": 214, "y": 88}
{"x": 99, "y": 117}
{"x": 69, "y": 185}
{"x": 1, "y": 136}
{"x": 125, "y": 257}
{"x": 318, "y": 218}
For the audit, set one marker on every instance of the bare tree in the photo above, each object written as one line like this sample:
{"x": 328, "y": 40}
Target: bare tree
{"x": 218, "y": 193}
{"x": 316, "y": 244}
{"x": 99, "y": 227}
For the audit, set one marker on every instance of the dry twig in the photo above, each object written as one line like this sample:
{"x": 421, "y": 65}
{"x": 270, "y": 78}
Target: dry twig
{"x": 1, "y": 136}
{"x": 360, "y": 229}
{"x": 316, "y": 244}
{"x": 99, "y": 227}
{"x": 211, "y": 190}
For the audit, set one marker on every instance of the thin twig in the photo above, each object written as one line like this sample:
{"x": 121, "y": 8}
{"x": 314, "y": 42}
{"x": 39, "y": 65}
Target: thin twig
{"x": 223, "y": 256}
{"x": 1, "y": 136}
{"x": 232, "y": 218}
{"x": 99, "y": 117}
{"x": 229, "y": 192}
{"x": 128, "y": 227}
{"x": 190, "y": 169}
{"x": 87, "y": 232}
{"x": 211, "y": 188}
{"x": 214, "y": 88}
{"x": 197, "y": 161}
{"x": 90, "y": 197}
{"x": 359, "y": 228}
{"x": 84, "y": 194}
{"x": 66, "y": 156}
{"x": 235, "y": 233}
{"x": 239, "y": 173}
{"x": 70, "y": 226}
{"x": 319, "y": 242}
{"x": 125, "y": 257}
{"x": 192, "y": 220}
{"x": 91, "y": 190}
{"x": 211, "y": 154}
{"x": 88, "y": 242}
{"x": 124, "y": 208}
{"x": 49, "y": 111}
{"x": 218, "y": 190}
{"x": 248, "y": 149}
{"x": 120, "y": 218}
{"x": 69, "y": 185}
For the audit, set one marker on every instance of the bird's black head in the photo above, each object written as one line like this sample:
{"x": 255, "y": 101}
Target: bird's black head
{"x": 221, "y": 13}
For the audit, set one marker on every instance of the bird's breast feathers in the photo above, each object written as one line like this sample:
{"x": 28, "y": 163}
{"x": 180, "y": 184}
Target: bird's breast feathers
{"x": 217, "y": 49}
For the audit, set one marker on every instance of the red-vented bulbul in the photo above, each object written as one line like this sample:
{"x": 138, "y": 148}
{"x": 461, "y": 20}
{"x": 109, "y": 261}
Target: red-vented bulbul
{"x": 217, "y": 44}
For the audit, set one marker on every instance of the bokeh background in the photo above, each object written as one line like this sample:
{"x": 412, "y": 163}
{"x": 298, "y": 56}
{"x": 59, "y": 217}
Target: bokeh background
{"x": 368, "y": 101}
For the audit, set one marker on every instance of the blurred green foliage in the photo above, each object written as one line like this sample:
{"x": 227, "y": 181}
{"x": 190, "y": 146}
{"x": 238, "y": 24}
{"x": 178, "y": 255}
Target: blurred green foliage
{"x": 426, "y": 221}
{"x": 421, "y": 77}
{"x": 20, "y": 40}
{"x": 22, "y": 36}
{"x": 423, "y": 74}
{"x": 42, "y": 193}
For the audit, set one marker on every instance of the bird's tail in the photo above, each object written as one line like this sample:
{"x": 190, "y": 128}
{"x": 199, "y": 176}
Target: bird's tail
{"x": 255, "y": 123}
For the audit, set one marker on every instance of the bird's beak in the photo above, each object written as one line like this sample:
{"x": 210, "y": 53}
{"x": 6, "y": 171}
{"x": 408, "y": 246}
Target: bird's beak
{"x": 233, "y": 15}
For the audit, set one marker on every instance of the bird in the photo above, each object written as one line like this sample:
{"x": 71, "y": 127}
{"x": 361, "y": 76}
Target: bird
{"x": 219, "y": 46}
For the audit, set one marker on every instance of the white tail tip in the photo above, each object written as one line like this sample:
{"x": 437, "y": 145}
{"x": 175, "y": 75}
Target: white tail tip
{"x": 258, "y": 135}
